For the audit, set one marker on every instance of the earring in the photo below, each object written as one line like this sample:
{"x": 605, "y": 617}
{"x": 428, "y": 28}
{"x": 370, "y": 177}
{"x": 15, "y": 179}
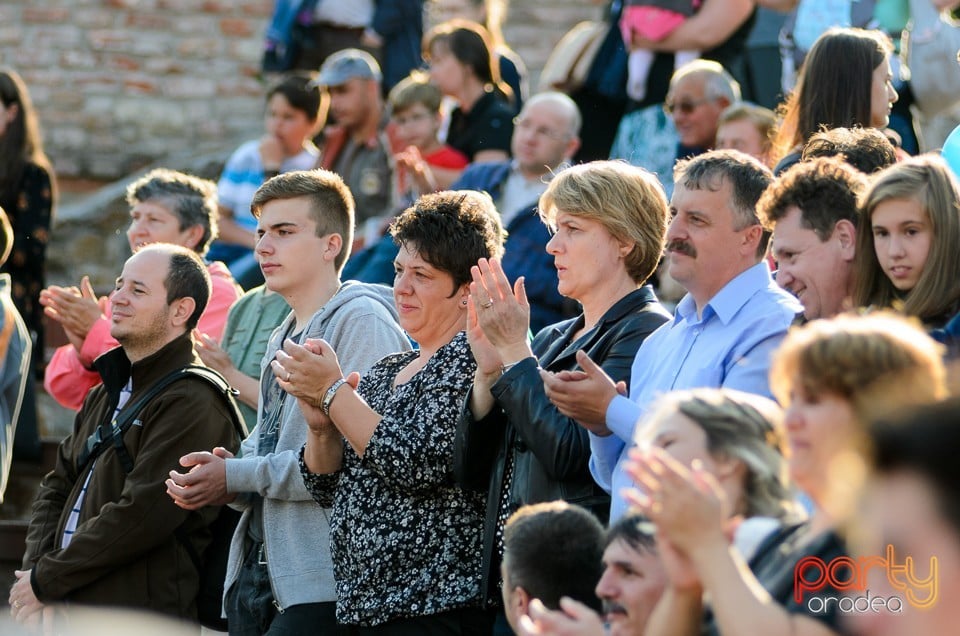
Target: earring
{"x": 464, "y": 302}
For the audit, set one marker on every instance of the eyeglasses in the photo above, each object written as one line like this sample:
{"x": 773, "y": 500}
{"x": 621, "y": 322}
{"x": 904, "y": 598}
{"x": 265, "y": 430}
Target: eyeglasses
{"x": 685, "y": 107}
{"x": 539, "y": 131}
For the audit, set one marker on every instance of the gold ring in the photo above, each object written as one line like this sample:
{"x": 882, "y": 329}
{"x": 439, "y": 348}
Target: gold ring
{"x": 487, "y": 305}
{"x": 17, "y": 604}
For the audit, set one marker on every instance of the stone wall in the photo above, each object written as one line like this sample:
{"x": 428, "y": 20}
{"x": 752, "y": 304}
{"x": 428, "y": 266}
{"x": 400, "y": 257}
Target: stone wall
{"x": 121, "y": 84}
{"x": 125, "y": 84}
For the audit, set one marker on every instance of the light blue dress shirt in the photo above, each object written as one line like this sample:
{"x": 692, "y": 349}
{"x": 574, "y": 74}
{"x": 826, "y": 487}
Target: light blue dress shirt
{"x": 729, "y": 345}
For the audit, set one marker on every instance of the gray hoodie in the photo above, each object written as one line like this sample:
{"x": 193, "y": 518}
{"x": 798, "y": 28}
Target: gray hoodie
{"x": 360, "y": 324}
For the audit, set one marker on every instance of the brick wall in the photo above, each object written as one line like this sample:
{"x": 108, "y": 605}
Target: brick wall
{"x": 120, "y": 84}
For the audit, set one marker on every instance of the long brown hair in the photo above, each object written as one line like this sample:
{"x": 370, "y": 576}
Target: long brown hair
{"x": 20, "y": 142}
{"x": 834, "y": 86}
{"x": 927, "y": 180}
{"x": 471, "y": 45}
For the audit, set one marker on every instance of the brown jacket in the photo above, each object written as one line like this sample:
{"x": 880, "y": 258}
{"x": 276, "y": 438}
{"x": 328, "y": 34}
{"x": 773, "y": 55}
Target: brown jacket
{"x": 124, "y": 552}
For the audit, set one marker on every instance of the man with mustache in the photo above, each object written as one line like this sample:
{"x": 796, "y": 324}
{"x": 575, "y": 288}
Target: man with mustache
{"x": 630, "y": 586}
{"x": 731, "y": 319}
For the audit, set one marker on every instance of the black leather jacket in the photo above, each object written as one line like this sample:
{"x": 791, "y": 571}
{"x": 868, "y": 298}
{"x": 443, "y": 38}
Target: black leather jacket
{"x": 551, "y": 451}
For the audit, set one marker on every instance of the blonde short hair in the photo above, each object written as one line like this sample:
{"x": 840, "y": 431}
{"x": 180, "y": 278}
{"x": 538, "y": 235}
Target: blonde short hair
{"x": 628, "y": 201}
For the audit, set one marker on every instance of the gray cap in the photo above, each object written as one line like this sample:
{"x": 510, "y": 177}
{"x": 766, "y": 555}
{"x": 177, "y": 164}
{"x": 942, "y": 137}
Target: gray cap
{"x": 347, "y": 64}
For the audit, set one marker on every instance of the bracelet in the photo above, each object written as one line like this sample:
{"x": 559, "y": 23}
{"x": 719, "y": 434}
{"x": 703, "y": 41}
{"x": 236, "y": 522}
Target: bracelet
{"x": 506, "y": 367}
{"x": 329, "y": 395}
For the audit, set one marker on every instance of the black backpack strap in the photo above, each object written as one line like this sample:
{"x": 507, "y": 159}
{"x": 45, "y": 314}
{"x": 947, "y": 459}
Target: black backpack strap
{"x": 112, "y": 432}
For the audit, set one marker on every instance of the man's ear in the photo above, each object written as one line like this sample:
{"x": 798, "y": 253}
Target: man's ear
{"x": 334, "y": 247}
{"x": 572, "y": 147}
{"x": 845, "y": 232}
{"x": 181, "y": 309}
{"x": 751, "y": 239}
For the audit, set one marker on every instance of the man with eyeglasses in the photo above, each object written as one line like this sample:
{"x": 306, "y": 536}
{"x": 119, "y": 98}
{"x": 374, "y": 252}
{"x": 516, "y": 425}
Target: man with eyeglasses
{"x": 545, "y": 137}
{"x": 699, "y": 91}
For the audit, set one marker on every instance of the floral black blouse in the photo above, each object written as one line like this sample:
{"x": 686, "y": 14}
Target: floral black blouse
{"x": 405, "y": 539}
{"x": 30, "y": 210}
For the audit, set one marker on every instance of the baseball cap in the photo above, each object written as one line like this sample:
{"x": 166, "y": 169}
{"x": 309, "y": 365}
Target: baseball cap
{"x": 345, "y": 65}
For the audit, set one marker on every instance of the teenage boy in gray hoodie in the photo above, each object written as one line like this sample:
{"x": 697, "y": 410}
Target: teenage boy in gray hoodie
{"x": 279, "y": 574}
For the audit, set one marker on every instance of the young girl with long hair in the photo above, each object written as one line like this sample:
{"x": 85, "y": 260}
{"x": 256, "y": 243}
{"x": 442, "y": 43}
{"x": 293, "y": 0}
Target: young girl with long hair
{"x": 907, "y": 255}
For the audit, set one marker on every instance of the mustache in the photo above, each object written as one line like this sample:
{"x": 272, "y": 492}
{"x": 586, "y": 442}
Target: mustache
{"x": 610, "y": 606}
{"x": 682, "y": 247}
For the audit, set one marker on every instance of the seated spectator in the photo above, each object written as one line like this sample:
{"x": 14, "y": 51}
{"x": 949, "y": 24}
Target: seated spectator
{"x": 546, "y": 136}
{"x": 551, "y": 551}
{"x": 858, "y": 92}
{"x": 907, "y": 256}
{"x": 491, "y": 14}
{"x": 462, "y": 67}
{"x": 911, "y": 502}
{"x": 647, "y": 135}
{"x": 293, "y": 108}
{"x": 610, "y": 220}
{"x": 165, "y": 207}
{"x": 237, "y": 355}
{"x": 423, "y": 163}
{"x": 699, "y": 92}
{"x": 15, "y": 351}
{"x": 832, "y": 375}
{"x": 867, "y": 149}
{"x": 355, "y": 146}
{"x": 813, "y": 212}
{"x": 747, "y": 128}
{"x": 405, "y": 539}
{"x": 544, "y": 139}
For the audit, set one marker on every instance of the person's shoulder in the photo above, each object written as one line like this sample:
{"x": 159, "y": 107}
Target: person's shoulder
{"x": 478, "y": 172}
{"x": 779, "y": 303}
{"x": 246, "y": 153}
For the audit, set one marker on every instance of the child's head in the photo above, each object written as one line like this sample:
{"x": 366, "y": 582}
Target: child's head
{"x": 747, "y": 127}
{"x": 415, "y": 110}
{"x": 293, "y": 110}
{"x": 907, "y": 244}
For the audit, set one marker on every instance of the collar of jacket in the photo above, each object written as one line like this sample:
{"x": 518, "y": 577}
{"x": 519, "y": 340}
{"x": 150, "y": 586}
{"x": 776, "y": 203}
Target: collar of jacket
{"x": 115, "y": 368}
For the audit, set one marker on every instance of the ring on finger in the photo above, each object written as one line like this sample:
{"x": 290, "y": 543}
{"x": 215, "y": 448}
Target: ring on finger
{"x": 487, "y": 305}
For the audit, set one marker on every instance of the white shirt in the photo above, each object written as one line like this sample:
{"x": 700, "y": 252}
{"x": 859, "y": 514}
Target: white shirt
{"x": 355, "y": 13}
{"x": 518, "y": 193}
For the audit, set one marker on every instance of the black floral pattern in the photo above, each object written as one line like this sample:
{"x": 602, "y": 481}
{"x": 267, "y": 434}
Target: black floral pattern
{"x": 30, "y": 210}
{"x": 405, "y": 539}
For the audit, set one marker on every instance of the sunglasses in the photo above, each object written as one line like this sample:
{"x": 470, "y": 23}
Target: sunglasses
{"x": 684, "y": 107}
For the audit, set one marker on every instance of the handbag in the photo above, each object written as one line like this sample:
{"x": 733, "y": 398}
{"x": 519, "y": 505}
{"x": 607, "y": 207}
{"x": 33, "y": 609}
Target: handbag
{"x": 569, "y": 64}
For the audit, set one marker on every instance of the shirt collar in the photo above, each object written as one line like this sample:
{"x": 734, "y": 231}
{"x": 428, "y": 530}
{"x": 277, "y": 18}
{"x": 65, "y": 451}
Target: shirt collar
{"x": 731, "y": 298}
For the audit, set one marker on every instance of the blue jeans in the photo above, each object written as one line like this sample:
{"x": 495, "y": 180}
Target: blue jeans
{"x": 251, "y": 612}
